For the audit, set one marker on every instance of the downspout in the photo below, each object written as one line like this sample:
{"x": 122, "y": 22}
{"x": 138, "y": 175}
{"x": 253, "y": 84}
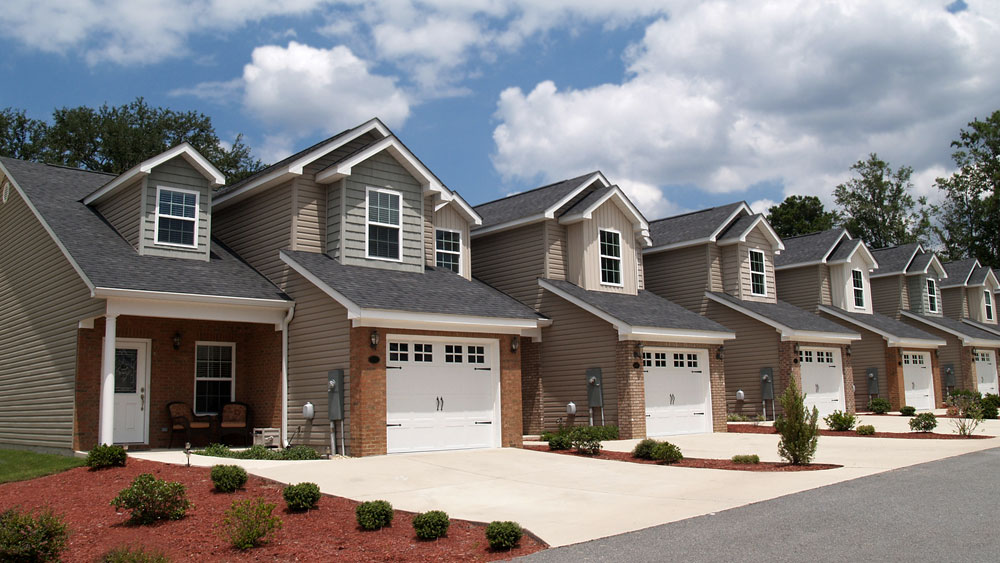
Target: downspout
{"x": 284, "y": 373}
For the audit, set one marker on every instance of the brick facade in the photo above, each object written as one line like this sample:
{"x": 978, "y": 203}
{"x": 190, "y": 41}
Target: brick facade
{"x": 894, "y": 378}
{"x": 171, "y": 377}
{"x": 532, "y": 390}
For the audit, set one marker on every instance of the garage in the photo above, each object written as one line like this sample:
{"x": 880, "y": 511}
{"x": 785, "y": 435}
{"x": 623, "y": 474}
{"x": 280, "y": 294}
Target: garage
{"x": 986, "y": 371}
{"x": 678, "y": 391}
{"x": 918, "y": 380}
{"x": 442, "y": 394}
{"x": 822, "y": 379}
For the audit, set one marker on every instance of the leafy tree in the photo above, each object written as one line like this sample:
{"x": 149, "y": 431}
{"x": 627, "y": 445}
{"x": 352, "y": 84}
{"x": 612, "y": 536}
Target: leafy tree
{"x": 800, "y": 215}
{"x": 970, "y": 214}
{"x": 797, "y": 427}
{"x": 20, "y": 136}
{"x": 877, "y": 205}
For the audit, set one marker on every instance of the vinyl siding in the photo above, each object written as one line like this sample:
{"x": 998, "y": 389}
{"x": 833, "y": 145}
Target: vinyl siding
{"x": 429, "y": 231}
{"x": 257, "y": 228}
{"x": 954, "y": 302}
{"x": 801, "y": 286}
{"x": 825, "y": 295}
{"x": 334, "y": 223}
{"x": 177, "y": 173}
{"x": 448, "y": 218}
{"x": 842, "y": 284}
{"x": 555, "y": 250}
{"x": 512, "y": 261}
{"x": 309, "y": 206}
{"x": 584, "y": 250}
{"x": 977, "y": 305}
{"x": 679, "y": 275}
{"x": 714, "y": 254}
{"x": 917, "y": 295}
{"x": 124, "y": 211}
{"x": 755, "y": 347}
{"x": 869, "y": 352}
{"x": 887, "y": 296}
{"x": 757, "y": 241}
{"x": 729, "y": 258}
{"x": 43, "y": 299}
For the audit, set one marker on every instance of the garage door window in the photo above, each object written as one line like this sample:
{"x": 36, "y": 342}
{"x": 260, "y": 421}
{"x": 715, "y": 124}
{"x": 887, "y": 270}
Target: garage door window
{"x": 423, "y": 353}
{"x": 399, "y": 352}
{"x": 984, "y": 357}
{"x": 824, "y": 357}
{"x": 806, "y": 356}
{"x": 452, "y": 354}
{"x": 654, "y": 359}
{"x": 476, "y": 354}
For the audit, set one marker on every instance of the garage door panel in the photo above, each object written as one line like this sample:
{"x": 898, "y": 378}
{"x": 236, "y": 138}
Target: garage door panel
{"x": 677, "y": 392}
{"x": 918, "y": 381}
{"x": 822, "y": 379}
{"x": 986, "y": 371}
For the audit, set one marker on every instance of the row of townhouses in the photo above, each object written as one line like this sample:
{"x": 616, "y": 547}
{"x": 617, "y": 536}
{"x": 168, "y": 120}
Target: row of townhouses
{"x": 354, "y": 302}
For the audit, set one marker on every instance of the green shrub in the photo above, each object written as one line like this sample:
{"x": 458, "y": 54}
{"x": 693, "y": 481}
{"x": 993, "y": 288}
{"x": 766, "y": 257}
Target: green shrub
{"x": 374, "y": 514}
{"x": 216, "y": 450}
{"x": 257, "y": 452}
{"x": 228, "y": 478}
{"x": 607, "y": 432}
{"x": 865, "y": 430}
{"x": 151, "y": 499}
{"x": 298, "y": 453}
{"x": 747, "y": 458}
{"x": 586, "y": 439}
{"x": 293, "y": 453}
{"x": 101, "y": 456}
{"x": 126, "y": 554}
{"x": 907, "y": 410}
{"x": 878, "y": 405}
{"x": 431, "y": 525}
{"x": 560, "y": 442}
{"x": 923, "y": 422}
{"x": 970, "y": 412}
{"x": 737, "y": 417}
{"x": 247, "y": 523}
{"x": 302, "y": 496}
{"x": 503, "y": 535}
{"x": 990, "y": 406}
{"x": 644, "y": 449}
{"x": 797, "y": 427}
{"x": 840, "y": 421}
{"x": 30, "y": 536}
{"x": 667, "y": 453}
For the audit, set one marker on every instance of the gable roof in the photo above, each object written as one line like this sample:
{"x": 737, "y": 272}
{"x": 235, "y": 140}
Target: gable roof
{"x": 792, "y": 322}
{"x": 183, "y": 150}
{"x": 694, "y": 228}
{"x": 585, "y": 207}
{"x": 959, "y": 272}
{"x": 813, "y": 248}
{"x": 894, "y": 260}
{"x": 896, "y": 333}
{"x": 545, "y": 202}
{"x": 968, "y": 333}
{"x": 740, "y": 229}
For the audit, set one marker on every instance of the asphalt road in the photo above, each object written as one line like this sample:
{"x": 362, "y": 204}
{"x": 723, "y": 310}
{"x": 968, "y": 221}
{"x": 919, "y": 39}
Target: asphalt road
{"x": 940, "y": 511}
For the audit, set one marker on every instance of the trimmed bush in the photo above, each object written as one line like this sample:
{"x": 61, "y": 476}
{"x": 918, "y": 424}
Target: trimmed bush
{"x": 840, "y": 421}
{"x": 560, "y": 442}
{"x": 666, "y": 452}
{"x": 257, "y": 452}
{"x": 586, "y": 439}
{"x": 878, "y": 405}
{"x": 503, "y": 535}
{"x": 216, "y": 450}
{"x": 151, "y": 499}
{"x": 431, "y": 525}
{"x": 644, "y": 449}
{"x": 247, "y": 523}
{"x": 30, "y": 536}
{"x": 127, "y": 554}
{"x": 101, "y": 457}
{"x": 923, "y": 422}
{"x": 298, "y": 453}
{"x": 302, "y": 496}
{"x": 228, "y": 478}
{"x": 374, "y": 514}
{"x": 746, "y": 458}
{"x": 797, "y": 427}
{"x": 607, "y": 432}
{"x": 990, "y": 406}
{"x": 865, "y": 430}
{"x": 261, "y": 452}
{"x": 908, "y": 411}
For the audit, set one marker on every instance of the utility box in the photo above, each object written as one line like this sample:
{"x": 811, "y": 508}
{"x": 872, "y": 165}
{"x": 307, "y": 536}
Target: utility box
{"x": 595, "y": 391}
{"x": 267, "y": 437}
{"x": 767, "y": 384}
{"x": 335, "y": 393}
{"x": 948, "y": 370}
{"x": 872, "y": 376}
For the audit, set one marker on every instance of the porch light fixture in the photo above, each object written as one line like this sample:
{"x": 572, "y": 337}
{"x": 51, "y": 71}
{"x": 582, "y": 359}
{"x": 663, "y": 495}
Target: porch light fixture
{"x": 720, "y": 353}
{"x": 177, "y": 340}
{"x": 974, "y": 351}
{"x": 847, "y": 350}
{"x": 796, "y": 348}
{"x": 638, "y": 349}
{"x": 374, "y": 338}
{"x": 514, "y": 343}
{"x": 937, "y": 353}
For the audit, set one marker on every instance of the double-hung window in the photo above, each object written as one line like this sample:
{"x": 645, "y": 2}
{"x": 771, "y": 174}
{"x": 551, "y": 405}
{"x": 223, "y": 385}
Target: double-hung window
{"x": 932, "y": 301}
{"x": 611, "y": 257}
{"x": 758, "y": 283}
{"x": 988, "y": 301}
{"x": 448, "y": 250}
{"x": 384, "y": 230}
{"x": 214, "y": 374}
{"x": 176, "y": 217}
{"x": 858, "y": 282}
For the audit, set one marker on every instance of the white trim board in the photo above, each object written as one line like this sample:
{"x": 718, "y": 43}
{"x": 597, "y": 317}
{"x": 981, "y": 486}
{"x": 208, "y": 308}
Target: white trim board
{"x": 185, "y": 150}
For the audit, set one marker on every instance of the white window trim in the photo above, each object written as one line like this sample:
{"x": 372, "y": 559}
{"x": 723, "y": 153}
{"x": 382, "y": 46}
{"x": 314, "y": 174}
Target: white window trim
{"x": 156, "y": 219}
{"x": 369, "y": 222}
{"x": 600, "y": 255}
{"x": 932, "y": 295}
{"x": 988, "y": 305}
{"x": 855, "y": 289}
{"x": 232, "y": 376}
{"x": 763, "y": 274}
{"x": 461, "y": 265}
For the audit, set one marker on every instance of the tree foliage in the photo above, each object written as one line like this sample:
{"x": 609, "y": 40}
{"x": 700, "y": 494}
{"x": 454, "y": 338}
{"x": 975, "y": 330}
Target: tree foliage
{"x": 877, "y": 206}
{"x": 970, "y": 213}
{"x": 116, "y": 138}
{"x": 800, "y": 215}
{"x": 797, "y": 427}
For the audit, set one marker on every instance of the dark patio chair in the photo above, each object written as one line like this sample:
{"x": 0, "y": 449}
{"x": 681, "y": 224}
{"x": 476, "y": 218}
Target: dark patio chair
{"x": 236, "y": 419}
{"x": 183, "y": 420}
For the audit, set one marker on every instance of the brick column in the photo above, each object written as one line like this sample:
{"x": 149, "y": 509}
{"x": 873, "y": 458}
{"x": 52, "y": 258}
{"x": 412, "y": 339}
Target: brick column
{"x": 532, "y": 388}
{"x": 896, "y": 387}
{"x": 788, "y": 370}
{"x": 968, "y": 379}
{"x": 937, "y": 379}
{"x": 717, "y": 386}
{"x": 511, "y": 394}
{"x": 368, "y": 407}
{"x": 631, "y": 392}
{"x": 848, "y": 367}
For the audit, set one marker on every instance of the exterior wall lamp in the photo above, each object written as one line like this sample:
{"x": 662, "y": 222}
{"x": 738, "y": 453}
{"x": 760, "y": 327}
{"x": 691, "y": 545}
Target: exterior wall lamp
{"x": 514, "y": 344}
{"x": 847, "y": 350}
{"x": 638, "y": 350}
{"x": 720, "y": 353}
{"x": 177, "y": 340}
{"x": 374, "y": 338}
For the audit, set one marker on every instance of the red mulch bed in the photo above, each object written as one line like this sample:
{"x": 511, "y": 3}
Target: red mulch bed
{"x": 751, "y": 429}
{"x": 327, "y": 533}
{"x": 695, "y": 462}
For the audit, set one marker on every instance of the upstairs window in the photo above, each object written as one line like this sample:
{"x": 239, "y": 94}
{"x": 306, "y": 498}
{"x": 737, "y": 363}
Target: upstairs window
{"x": 758, "y": 283}
{"x": 858, "y": 281}
{"x": 448, "y": 250}
{"x": 384, "y": 231}
{"x": 932, "y": 302}
{"x": 176, "y": 217}
{"x": 988, "y": 300}
{"x": 611, "y": 257}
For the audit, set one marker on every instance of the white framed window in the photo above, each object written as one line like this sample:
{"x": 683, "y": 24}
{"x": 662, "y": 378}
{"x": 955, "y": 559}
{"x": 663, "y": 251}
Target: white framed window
{"x": 932, "y": 301}
{"x": 453, "y": 353}
{"x": 988, "y": 302}
{"x": 476, "y": 354}
{"x": 448, "y": 250}
{"x": 214, "y": 376}
{"x": 758, "y": 281}
{"x": 399, "y": 352}
{"x": 858, "y": 283}
{"x": 176, "y": 217}
{"x": 423, "y": 352}
{"x": 611, "y": 257}
{"x": 383, "y": 223}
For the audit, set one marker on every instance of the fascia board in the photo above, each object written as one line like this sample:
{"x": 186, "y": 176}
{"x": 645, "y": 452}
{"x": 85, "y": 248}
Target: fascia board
{"x": 815, "y": 336}
{"x": 185, "y": 150}
{"x": 442, "y": 321}
{"x": 194, "y": 309}
{"x": 677, "y": 335}
{"x": 943, "y": 274}
{"x": 983, "y": 326}
{"x": 676, "y": 245}
{"x": 829, "y": 251}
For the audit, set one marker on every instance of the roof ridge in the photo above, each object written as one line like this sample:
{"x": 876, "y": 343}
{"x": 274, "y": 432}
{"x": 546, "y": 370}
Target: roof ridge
{"x": 697, "y": 211}
{"x": 549, "y": 185}
{"x": 812, "y": 234}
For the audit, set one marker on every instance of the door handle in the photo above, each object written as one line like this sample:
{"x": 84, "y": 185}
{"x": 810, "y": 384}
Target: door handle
{"x": 142, "y": 398}
{"x": 437, "y": 403}
{"x": 442, "y": 403}
{"x": 393, "y": 424}
{"x": 672, "y": 398}
{"x": 817, "y": 387}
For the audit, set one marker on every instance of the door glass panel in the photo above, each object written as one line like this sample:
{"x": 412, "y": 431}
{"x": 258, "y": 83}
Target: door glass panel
{"x": 126, "y": 365}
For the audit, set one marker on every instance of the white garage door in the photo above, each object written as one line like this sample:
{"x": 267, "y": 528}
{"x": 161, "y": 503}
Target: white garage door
{"x": 918, "y": 380}
{"x": 822, "y": 379}
{"x": 442, "y": 394}
{"x": 678, "y": 392}
{"x": 986, "y": 371}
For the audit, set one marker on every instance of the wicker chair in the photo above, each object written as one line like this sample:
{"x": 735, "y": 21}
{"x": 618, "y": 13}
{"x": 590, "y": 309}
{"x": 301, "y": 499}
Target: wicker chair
{"x": 236, "y": 419}
{"x": 183, "y": 420}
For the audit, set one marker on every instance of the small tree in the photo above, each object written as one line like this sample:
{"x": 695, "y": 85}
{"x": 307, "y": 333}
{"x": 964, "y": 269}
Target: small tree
{"x": 797, "y": 427}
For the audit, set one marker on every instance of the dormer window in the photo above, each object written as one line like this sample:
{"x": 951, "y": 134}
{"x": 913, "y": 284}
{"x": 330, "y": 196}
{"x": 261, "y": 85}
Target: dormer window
{"x": 758, "y": 283}
{"x": 448, "y": 249}
{"x": 988, "y": 300}
{"x": 176, "y": 217}
{"x": 858, "y": 282}
{"x": 932, "y": 302}
{"x": 611, "y": 257}
{"x": 384, "y": 231}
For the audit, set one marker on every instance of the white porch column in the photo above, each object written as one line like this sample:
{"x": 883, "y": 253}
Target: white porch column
{"x": 107, "y": 412}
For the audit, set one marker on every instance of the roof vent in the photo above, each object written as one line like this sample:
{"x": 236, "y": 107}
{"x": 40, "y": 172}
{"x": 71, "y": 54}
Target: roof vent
{"x": 6, "y": 190}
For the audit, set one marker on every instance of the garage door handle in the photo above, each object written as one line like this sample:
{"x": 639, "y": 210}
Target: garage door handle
{"x": 393, "y": 424}
{"x": 699, "y": 414}
{"x": 393, "y": 367}
{"x": 696, "y": 371}
{"x": 484, "y": 422}
{"x": 482, "y": 369}
{"x": 834, "y": 400}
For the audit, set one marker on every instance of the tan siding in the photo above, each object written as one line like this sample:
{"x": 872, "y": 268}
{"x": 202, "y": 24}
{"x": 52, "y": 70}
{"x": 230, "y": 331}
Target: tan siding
{"x": 257, "y": 228}
{"x": 576, "y": 242}
{"x": 177, "y": 173}
{"x": 123, "y": 211}
{"x": 333, "y": 217}
{"x": 555, "y": 241}
{"x": 755, "y": 347}
{"x": 310, "y": 216}
{"x": 757, "y": 241}
{"x": 869, "y": 352}
{"x": 887, "y": 297}
{"x": 730, "y": 258}
{"x": 825, "y": 294}
{"x": 679, "y": 275}
{"x": 584, "y": 244}
{"x": 42, "y": 299}
{"x": 955, "y": 304}
{"x": 800, "y": 286}
{"x": 448, "y": 218}
{"x": 512, "y": 261}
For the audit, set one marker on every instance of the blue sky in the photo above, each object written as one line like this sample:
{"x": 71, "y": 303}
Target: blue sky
{"x": 684, "y": 104}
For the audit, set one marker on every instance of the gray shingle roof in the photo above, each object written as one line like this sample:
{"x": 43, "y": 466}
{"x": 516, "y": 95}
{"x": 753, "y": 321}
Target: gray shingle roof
{"x": 844, "y": 249}
{"x": 893, "y": 259}
{"x": 588, "y": 200}
{"x": 696, "y": 225}
{"x": 435, "y": 290}
{"x": 888, "y": 325}
{"x": 525, "y": 204}
{"x": 108, "y": 259}
{"x": 960, "y": 327}
{"x": 645, "y": 309}
{"x": 738, "y": 227}
{"x": 920, "y": 262}
{"x": 978, "y": 276}
{"x": 958, "y": 271}
{"x": 992, "y": 329}
{"x": 805, "y": 249}
{"x": 788, "y": 315}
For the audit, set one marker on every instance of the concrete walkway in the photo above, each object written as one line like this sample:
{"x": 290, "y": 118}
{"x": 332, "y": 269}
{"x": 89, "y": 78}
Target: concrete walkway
{"x": 568, "y": 499}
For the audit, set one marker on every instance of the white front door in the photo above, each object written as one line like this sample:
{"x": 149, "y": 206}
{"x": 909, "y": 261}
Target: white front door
{"x": 822, "y": 379}
{"x": 678, "y": 391}
{"x": 986, "y": 371}
{"x": 442, "y": 394}
{"x": 918, "y": 380}
{"x": 131, "y": 397}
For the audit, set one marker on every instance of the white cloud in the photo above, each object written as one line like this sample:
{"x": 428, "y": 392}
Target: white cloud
{"x": 762, "y": 205}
